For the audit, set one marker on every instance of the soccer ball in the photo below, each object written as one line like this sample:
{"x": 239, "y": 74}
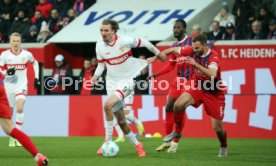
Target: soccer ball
{"x": 110, "y": 149}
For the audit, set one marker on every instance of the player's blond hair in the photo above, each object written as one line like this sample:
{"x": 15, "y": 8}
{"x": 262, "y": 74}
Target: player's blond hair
{"x": 114, "y": 24}
{"x": 16, "y": 34}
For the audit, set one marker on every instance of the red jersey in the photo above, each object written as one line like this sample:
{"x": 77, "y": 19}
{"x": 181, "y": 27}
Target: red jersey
{"x": 87, "y": 84}
{"x": 183, "y": 69}
{"x": 210, "y": 60}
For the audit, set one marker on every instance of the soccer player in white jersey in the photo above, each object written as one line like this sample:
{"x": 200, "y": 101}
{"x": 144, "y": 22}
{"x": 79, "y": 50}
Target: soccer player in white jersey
{"x": 114, "y": 51}
{"x": 13, "y": 64}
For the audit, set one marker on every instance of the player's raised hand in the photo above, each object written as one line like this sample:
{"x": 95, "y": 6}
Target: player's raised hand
{"x": 94, "y": 79}
{"x": 162, "y": 56}
{"x": 11, "y": 71}
{"x": 190, "y": 61}
{"x": 36, "y": 83}
{"x": 152, "y": 59}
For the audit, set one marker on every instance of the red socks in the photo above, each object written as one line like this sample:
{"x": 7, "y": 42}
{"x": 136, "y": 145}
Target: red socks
{"x": 169, "y": 122}
{"x": 24, "y": 140}
{"x": 178, "y": 120}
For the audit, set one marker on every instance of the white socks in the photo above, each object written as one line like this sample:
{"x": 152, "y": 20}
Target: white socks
{"x": 109, "y": 130}
{"x": 130, "y": 117}
{"x": 119, "y": 131}
{"x": 132, "y": 139}
{"x": 19, "y": 120}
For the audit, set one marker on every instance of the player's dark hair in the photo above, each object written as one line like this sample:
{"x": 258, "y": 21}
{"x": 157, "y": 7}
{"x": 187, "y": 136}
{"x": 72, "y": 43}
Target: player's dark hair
{"x": 202, "y": 38}
{"x": 87, "y": 59}
{"x": 114, "y": 24}
{"x": 183, "y": 23}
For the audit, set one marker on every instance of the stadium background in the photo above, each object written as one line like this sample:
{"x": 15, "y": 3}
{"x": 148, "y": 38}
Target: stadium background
{"x": 250, "y": 105}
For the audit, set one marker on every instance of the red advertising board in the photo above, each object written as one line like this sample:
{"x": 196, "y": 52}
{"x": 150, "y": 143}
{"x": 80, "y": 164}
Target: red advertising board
{"x": 251, "y": 118}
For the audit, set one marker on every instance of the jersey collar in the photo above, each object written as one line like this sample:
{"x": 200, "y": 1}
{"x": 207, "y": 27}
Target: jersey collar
{"x": 15, "y": 53}
{"x": 115, "y": 40}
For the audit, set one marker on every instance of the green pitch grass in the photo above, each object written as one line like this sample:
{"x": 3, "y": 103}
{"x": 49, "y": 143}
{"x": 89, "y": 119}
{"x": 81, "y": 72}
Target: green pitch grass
{"x": 81, "y": 151}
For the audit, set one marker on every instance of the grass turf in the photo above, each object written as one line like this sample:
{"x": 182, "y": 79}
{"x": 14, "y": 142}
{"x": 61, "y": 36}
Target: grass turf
{"x": 81, "y": 151}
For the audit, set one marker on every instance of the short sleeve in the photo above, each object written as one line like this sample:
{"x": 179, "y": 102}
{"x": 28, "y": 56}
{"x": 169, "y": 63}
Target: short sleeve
{"x": 213, "y": 62}
{"x": 132, "y": 42}
{"x": 2, "y": 60}
{"x": 31, "y": 58}
{"x": 99, "y": 57}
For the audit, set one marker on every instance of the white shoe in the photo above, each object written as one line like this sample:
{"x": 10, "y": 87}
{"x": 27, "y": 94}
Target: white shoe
{"x": 18, "y": 143}
{"x": 12, "y": 142}
{"x": 173, "y": 148}
{"x": 164, "y": 146}
{"x": 223, "y": 152}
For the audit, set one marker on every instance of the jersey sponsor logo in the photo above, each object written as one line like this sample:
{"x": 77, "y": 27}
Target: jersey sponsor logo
{"x": 118, "y": 60}
{"x": 17, "y": 66}
{"x": 179, "y": 60}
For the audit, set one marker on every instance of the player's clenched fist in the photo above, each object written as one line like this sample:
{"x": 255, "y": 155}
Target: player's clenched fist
{"x": 11, "y": 71}
{"x": 94, "y": 79}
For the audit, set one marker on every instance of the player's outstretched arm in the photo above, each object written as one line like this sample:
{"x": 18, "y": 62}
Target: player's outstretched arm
{"x": 149, "y": 46}
{"x": 169, "y": 51}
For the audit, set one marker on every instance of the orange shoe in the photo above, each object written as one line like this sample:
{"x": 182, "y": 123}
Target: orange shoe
{"x": 99, "y": 152}
{"x": 42, "y": 160}
{"x": 140, "y": 150}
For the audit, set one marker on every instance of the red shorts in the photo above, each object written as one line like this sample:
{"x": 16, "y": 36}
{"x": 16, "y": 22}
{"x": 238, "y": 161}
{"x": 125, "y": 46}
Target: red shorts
{"x": 176, "y": 88}
{"x": 5, "y": 111}
{"x": 213, "y": 104}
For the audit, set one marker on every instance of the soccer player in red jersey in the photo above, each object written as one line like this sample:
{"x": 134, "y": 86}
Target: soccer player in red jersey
{"x": 184, "y": 71}
{"x": 6, "y": 124}
{"x": 205, "y": 87}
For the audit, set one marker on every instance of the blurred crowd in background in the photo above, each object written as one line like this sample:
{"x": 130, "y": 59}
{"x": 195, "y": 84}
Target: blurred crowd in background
{"x": 38, "y": 20}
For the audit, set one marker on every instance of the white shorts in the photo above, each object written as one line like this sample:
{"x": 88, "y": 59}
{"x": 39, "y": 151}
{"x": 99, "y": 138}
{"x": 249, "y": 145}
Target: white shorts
{"x": 123, "y": 89}
{"x": 15, "y": 93}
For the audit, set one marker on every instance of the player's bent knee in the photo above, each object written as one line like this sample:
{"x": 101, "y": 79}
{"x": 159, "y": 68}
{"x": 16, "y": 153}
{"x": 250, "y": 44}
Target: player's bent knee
{"x": 20, "y": 110}
{"x": 178, "y": 107}
{"x": 121, "y": 122}
{"x": 7, "y": 128}
{"x": 217, "y": 128}
{"x": 119, "y": 105}
{"x": 108, "y": 106}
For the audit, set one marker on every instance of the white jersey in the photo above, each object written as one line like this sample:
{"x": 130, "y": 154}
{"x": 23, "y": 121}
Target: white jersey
{"x": 118, "y": 58}
{"x": 9, "y": 59}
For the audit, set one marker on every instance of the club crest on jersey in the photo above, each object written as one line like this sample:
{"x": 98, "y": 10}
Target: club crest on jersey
{"x": 23, "y": 59}
{"x": 122, "y": 49}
